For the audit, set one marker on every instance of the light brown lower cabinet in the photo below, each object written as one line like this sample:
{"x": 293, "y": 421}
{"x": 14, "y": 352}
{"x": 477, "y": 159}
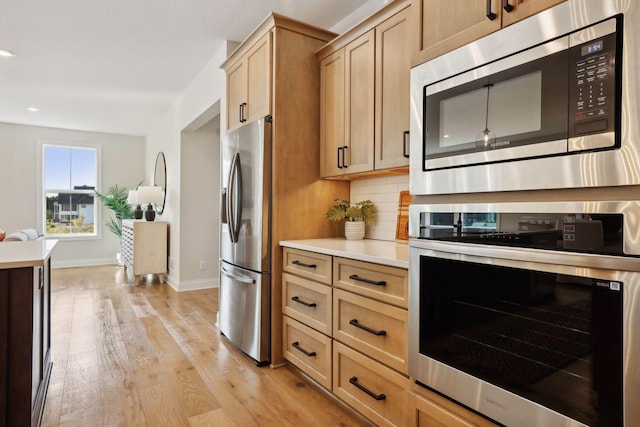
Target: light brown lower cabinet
{"x": 371, "y": 388}
{"x": 309, "y": 350}
{"x": 427, "y": 409}
{"x": 372, "y": 327}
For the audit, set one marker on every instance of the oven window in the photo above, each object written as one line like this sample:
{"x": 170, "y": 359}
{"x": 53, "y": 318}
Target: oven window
{"x": 481, "y": 220}
{"x": 550, "y": 338}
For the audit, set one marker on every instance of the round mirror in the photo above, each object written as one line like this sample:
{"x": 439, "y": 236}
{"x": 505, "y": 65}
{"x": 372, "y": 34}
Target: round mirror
{"x": 160, "y": 180}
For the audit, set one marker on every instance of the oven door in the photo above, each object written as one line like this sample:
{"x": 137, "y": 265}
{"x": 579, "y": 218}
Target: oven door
{"x": 522, "y": 336}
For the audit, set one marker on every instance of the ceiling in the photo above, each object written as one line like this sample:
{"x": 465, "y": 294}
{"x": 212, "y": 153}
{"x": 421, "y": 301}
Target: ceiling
{"x": 116, "y": 66}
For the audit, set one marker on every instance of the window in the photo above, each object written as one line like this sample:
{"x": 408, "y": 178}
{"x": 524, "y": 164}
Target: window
{"x": 70, "y": 175}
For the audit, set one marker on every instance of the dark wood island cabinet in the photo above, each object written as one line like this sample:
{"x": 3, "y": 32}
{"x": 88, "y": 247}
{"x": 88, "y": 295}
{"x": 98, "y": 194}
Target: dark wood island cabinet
{"x": 25, "y": 331}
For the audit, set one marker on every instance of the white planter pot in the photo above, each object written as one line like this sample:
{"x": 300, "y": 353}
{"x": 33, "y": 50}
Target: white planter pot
{"x": 354, "y": 230}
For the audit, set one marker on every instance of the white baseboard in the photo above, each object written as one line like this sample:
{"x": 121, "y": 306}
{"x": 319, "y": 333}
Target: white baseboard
{"x": 192, "y": 285}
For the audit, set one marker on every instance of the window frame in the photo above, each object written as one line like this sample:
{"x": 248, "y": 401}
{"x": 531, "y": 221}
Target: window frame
{"x": 42, "y": 190}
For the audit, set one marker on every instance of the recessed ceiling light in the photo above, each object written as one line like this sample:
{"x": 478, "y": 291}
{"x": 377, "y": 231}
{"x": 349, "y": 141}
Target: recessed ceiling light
{"x": 6, "y": 53}
{"x": 32, "y": 109}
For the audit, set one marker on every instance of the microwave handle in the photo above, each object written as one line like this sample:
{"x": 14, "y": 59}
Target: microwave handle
{"x": 506, "y": 6}
{"x": 492, "y": 16}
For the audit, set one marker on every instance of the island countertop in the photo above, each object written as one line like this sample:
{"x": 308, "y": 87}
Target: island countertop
{"x": 30, "y": 253}
{"x": 368, "y": 250}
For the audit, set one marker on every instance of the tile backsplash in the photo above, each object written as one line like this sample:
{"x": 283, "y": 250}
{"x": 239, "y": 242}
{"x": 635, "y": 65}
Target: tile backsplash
{"x": 385, "y": 193}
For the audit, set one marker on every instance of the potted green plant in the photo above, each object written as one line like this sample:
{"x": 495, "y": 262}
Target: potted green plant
{"x": 356, "y": 216}
{"x": 116, "y": 199}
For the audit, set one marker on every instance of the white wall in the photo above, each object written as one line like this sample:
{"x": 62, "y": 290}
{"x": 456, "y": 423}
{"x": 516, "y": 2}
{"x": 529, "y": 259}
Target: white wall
{"x": 123, "y": 163}
{"x": 385, "y": 193}
{"x": 207, "y": 89}
{"x": 200, "y": 204}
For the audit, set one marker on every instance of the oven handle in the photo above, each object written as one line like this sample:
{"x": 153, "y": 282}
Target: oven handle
{"x": 354, "y": 381}
{"x": 355, "y": 323}
{"x": 369, "y": 281}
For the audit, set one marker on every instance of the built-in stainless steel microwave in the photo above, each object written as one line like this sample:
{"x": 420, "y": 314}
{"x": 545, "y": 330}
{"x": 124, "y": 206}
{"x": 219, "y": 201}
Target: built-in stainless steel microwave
{"x": 550, "y": 102}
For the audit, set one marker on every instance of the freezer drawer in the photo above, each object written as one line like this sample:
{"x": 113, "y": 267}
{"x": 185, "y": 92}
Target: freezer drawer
{"x": 244, "y": 310}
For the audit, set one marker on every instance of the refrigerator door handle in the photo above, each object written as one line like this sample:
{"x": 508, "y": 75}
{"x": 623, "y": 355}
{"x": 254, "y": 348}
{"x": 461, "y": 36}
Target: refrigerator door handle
{"x": 223, "y": 207}
{"x": 234, "y": 198}
{"x": 237, "y": 278}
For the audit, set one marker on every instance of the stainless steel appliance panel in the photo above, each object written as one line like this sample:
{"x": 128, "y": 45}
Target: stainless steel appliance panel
{"x": 245, "y": 238}
{"x": 246, "y": 200}
{"x": 491, "y": 400}
{"x": 244, "y": 320}
{"x": 613, "y": 167}
{"x": 498, "y": 403}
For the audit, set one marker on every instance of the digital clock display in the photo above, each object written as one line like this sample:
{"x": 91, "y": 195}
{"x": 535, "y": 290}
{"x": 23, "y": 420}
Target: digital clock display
{"x": 592, "y": 48}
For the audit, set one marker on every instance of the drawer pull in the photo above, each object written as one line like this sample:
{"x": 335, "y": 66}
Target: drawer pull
{"x": 302, "y": 264}
{"x": 369, "y": 281}
{"x": 354, "y": 381}
{"x": 296, "y": 345}
{"x": 355, "y": 323}
{"x": 306, "y": 304}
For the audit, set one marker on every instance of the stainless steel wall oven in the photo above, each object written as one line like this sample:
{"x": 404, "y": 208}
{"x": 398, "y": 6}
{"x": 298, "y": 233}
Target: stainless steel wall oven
{"x": 549, "y": 102}
{"x": 528, "y": 312}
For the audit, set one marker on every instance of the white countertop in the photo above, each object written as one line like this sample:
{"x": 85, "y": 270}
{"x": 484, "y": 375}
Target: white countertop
{"x": 369, "y": 250}
{"x": 30, "y": 253}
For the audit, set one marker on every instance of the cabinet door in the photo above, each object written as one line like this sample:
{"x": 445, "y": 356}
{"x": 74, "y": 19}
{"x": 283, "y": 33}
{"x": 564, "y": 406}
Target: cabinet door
{"x": 377, "y": 392}
{"x": 393, "y": 62}
{"x": 332, "y": 114}
{"x": 520, "y": 9}
{"x": 436, "y": 411}
{"x": 359, "y": 92}
{"x": 236, "y": 94}
{"x": 258, "y": 63}
{"x": 445, "y": 25}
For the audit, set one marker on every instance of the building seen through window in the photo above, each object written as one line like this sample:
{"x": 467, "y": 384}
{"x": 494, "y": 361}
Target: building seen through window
{"x": 69, "y": 176}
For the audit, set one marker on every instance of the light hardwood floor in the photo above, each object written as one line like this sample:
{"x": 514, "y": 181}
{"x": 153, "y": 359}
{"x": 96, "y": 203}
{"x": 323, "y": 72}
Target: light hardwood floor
{"x": 145, "y": 355}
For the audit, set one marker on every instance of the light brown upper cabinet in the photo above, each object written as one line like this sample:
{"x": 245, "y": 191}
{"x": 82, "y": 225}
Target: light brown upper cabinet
{"x": 392, "y": 92}
{"x": 441, "y": 26}
{"x": 249, "y": 85}
{"x": 332, "y": 114}
{"x": 364, "y": 97}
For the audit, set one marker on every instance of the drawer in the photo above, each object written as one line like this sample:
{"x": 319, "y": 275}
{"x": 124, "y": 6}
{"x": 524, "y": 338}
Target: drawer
{"x": 307, "y": 264}
{"x": 372, "y": 389}
{"x": 381, "y": 282}
{"x": 308, "y": 302}
{"x": 307, "y": 349}
{"x": 374, "y": 328}
{"x": 428, "y": 409}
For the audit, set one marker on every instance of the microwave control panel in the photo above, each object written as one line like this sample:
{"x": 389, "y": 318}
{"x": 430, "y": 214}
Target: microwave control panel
{"x": 592, "y": 99}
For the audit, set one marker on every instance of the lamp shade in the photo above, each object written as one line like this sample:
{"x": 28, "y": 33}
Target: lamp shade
{"x": 133, "y": 198}
{"x": 150, "y": 194}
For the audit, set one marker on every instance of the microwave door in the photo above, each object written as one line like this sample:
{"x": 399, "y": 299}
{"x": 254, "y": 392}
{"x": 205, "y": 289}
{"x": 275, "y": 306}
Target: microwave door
{"x": 514, "y": 108}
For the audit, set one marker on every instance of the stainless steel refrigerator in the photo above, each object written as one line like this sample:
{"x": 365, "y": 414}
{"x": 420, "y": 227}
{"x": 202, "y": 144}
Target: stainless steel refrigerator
{"x": 245, "y": 239}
